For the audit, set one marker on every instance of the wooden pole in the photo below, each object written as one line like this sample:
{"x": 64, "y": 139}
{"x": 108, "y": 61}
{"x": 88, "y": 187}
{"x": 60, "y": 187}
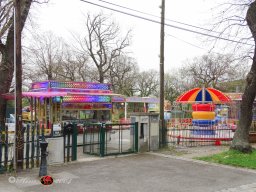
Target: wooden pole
{"x": 162, "y": 123}
{"x": 18, "y": 87}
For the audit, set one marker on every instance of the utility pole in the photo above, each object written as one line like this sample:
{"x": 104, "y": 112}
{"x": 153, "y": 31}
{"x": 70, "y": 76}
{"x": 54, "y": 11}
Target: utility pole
{"x": 19, "y": 148}
{"x": 162, "y": 123}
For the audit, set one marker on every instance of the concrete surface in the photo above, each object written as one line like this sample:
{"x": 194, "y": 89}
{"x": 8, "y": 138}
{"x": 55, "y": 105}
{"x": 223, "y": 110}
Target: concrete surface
{"x": 151, "y": 172}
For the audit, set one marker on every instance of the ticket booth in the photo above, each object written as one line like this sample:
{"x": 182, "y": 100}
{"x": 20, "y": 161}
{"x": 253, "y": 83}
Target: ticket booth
{"x": 148, "y": 128}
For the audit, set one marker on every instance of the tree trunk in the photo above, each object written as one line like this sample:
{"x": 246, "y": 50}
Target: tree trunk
{"x": 6, "y": 71}
{"x": 241, "y": 137}
{"x": 6, "y": 65}
{"x": 101, "y": 75}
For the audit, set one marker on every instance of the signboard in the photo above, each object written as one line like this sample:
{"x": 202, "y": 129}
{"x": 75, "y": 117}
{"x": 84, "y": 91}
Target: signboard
{"x": 153, "y": 107}
{"x": 117, "y": 99}
{"x": 144, "y": 119}
{"x": 87, "y": 106}
{"x": 142, "y": 100}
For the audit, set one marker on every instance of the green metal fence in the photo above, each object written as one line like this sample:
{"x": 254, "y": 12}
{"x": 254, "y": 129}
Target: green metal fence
{"x": 100, "y": 139}
{"x": 110, "y": 139}
{"x": 31, "y": 148}
{"x": 70, "y": 133}
{"x": 93, "y": 135}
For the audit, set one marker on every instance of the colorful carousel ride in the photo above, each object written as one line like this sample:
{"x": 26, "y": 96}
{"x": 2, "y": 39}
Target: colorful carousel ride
{"x": 204, "y": 124}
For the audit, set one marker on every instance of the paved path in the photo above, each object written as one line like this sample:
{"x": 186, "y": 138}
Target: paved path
{"x": 242, "y": 188}
{"x": 136, "y": 173}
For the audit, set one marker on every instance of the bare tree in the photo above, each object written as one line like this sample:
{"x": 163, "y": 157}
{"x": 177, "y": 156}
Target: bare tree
{"x": 185, "y": 81}
{"x": 103, "y": 42}
{"x": 74, "y": 66}
{"x": 210, "y": 70}
{"x": 48, "y": 57}
{"x": 85, "y": 71}
{"x": 173, "y": 87}
{"x": 7, "y": 47}
{"x": 45, "y": 56}
{"x": 123, "y": 75}
{"x": 5, "y": 17}
{"x": 148, "y": 83}
{"x": 233, "y": 23}
{"x": 230, "y": 23}
{"x": 241, "y": 137}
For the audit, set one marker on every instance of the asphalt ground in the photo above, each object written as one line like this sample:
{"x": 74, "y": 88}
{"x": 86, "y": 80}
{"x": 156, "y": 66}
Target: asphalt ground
{"x": 148, "y": 172}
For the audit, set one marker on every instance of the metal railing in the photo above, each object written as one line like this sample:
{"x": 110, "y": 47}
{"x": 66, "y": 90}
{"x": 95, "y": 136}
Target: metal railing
{"x": 31, "y": 136}
{"x": 199, "y": 137}
{"x": 102, "y": 139}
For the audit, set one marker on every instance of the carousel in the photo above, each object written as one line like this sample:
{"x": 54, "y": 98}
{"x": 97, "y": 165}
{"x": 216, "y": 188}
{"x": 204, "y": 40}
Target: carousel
{"x": 200, "y": 117}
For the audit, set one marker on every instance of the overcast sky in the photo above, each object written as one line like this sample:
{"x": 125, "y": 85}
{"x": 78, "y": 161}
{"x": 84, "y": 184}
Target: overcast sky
{"x": 64, "y": 17}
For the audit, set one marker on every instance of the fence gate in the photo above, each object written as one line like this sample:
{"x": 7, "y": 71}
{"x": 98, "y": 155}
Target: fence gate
{"x": 110, "y": 139}
{"x": 93, "y": 137}
{"x": 70, "y": 133}
{"x": 100, "y": 139}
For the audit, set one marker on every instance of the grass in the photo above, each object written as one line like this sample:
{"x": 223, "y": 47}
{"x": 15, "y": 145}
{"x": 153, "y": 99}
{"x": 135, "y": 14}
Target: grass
{"x": 233, "y": 158}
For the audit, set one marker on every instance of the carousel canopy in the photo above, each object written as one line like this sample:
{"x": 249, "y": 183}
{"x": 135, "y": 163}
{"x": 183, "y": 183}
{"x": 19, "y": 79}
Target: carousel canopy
{"x": 203, "y": 95}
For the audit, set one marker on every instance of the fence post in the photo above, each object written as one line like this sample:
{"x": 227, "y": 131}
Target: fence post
{"x": 37, "y": 144}
{"x": 102, "y": 139}
{"x": 64, "y": 141}
{"x": 136, "y": 136}
{"x": 68, "y": 146}
{"x": 33, "y": 145}
{"x": 164, "y": 140}
{"x": 74, "y": 142}
{"x": 6, "y": 148}
{"x": 27, "y": 146}
{"x": 84, "y": 131}
{"x": 2, "y": 170}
